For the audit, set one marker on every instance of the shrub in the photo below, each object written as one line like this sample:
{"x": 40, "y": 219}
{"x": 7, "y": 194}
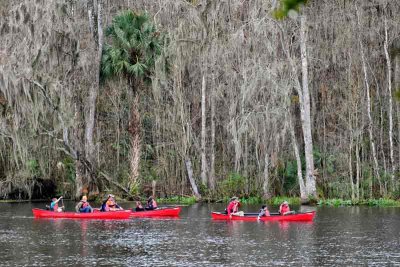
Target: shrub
{"x": 234, "y": 185}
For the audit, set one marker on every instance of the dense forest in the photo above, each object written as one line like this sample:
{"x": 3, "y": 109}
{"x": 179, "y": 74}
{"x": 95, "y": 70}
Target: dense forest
{"x": 199, "y": 97}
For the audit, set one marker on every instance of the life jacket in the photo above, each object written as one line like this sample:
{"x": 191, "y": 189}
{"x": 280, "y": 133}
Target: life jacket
{"x": 283, "y": 209}
{"x": 110, "y": 203}
{"x": 84, "y": 204}
{"x": 232, "y": 207}
{"x": 54, "y": 206}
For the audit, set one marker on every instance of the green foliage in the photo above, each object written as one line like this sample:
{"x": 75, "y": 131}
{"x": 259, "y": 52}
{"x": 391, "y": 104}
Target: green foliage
{"x": 252, "y": 200}
{"x": 381, "y": 202}
{"x": 177, "y": 199}
{"x": 69, "y": 166}
{"x": 396, "y": 94}
{"x": 134, "y": 189}
{"x": 276, "y": 201}
{"x": 396, "y": 193}
{"x": 135, "y": 46}
{"x": 234, "y": 185}
{"x": 334, "y": 202}
{"x": 33, "y": 168}
{"x": 286, "y": 6}
{"x": 203, "y": 189}
{"x": 148, "y": 171}
{"x": 290, "y": 177}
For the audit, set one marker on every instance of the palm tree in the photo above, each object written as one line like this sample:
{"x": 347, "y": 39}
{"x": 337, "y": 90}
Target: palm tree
{"x": 134, "y": 45}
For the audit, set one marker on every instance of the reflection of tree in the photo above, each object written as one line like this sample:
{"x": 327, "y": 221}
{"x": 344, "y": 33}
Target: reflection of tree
{"x": 84, "y": 249}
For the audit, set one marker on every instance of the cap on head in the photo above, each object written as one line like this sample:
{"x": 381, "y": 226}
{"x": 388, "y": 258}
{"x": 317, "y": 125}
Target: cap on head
{"x": 110, "y": 195}
{"x": 285, "y": 203}
{"x": 234, "y": 198}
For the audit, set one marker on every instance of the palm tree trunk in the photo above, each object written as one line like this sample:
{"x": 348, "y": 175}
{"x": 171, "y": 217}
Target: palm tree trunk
{"x": 134, "y": 130}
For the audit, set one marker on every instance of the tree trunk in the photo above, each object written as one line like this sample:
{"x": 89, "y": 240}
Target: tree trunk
{"x": 358, "y": 169}
{"x": 203, "y": 133}
{"x": 153, "y": 188}
{"x": 305, "y": 111}
{"x": 351, "y": 158}
{"x": 189, "y": 170}
{"x": 134, "y": 130}
{"x": 303, "y": 192}
{"x": 93, "y": 91}
{"x": 212, "y": 145}
{"x": 397, "y": 87}
{"x": 389, "y": 79}
{"x": 266, "y": 193}
{"x": 370, "y": 123}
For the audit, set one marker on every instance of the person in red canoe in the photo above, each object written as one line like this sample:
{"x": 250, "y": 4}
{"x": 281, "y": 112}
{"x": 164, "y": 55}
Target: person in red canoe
{"x": 151, "y": 204}
{"x": 233, "y": 207}
{"x": 83, "y": 206}
{"x": 139, "y": 206}
{"x": 54, "y": 205}
{"x": 110, "y": 205}
{"x": 263, "y": 212}
{"x": 284, "y": 208}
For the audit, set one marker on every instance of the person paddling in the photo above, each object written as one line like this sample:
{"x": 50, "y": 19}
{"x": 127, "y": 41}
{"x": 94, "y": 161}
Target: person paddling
{"x": 263, "y": 212}
{"x": 54, "y": 205}
{"x": 151, "y": 204}
{"x": 284, "y": 208}
{"x": 83, "y": 206}
{"x": 139, "y": 206}
{"x": 233, "y": 207}
{"x": 110, "y": 205}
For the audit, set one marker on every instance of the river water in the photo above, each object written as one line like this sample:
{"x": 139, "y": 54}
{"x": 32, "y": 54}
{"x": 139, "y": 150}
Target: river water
{"x": 347, "y": 236}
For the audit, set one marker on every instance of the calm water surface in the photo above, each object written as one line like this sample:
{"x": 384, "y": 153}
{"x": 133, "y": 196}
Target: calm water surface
{"x": 338, "y": 236}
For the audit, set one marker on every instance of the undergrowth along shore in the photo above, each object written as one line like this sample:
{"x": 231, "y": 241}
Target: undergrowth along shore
{"x": 381, "y": 202}
{"x": 275, "y": 201}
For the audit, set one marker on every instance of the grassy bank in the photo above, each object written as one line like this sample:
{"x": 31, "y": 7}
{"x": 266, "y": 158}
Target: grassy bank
{"x": 381, "y": 202}
{"x": 177, "y": 200}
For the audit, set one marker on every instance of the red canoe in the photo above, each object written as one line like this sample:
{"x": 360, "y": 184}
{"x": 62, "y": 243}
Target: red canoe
{"x": 160, "y": 212}
{"x": 306, "y": 216}
{"x": 110, "y": 215}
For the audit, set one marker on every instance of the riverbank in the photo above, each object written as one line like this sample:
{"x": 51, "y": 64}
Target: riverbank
{"x": 381, "y": 202}
{"x": 275, "y": 201}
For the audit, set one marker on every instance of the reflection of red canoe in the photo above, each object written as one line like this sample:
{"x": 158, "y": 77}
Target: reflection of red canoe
{"x": 123, "y": 214}
{"x": 160, "y": 212}
{"x": 306, "y": 216}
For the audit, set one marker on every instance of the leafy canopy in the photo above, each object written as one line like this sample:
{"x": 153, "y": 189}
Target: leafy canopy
{"x": 134, "y": 47}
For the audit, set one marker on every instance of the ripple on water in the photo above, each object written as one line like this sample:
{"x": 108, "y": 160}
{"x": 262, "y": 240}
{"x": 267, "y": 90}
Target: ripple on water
{"x": 338, "y": 237}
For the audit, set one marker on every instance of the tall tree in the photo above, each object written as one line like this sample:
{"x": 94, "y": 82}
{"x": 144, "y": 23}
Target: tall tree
{"x": 134, "y": 45}
{"x": 306, "y": 112}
